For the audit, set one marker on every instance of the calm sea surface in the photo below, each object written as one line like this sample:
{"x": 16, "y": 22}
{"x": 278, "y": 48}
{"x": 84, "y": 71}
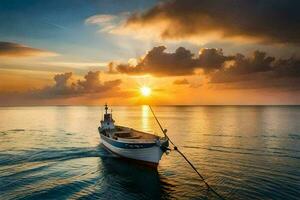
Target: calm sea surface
{"x": 244, "y": 152}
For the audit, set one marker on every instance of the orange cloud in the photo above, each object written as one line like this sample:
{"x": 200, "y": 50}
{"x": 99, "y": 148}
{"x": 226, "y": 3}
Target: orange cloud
{"x": 181, "y": 82}
{"x": 9, "y": 49}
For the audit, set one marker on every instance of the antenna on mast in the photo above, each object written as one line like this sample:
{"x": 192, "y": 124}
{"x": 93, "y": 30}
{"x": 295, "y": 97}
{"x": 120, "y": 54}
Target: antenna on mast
{"x": 106, "y": 108}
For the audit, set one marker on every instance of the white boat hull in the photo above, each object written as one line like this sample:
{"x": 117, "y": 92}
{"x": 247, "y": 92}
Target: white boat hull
{"x": 151, "y": 155}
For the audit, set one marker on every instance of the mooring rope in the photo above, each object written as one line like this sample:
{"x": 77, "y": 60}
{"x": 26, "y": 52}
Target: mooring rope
{"x": 185, "y": 158}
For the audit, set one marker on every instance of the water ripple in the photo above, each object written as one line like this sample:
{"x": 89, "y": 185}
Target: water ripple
{"x": 243, "y": 152}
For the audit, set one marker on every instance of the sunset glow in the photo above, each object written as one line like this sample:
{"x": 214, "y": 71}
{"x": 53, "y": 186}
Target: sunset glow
{"x": 171, "y": 85}
{"x": 145, "y": 91}
{"x": 119, "y": 52}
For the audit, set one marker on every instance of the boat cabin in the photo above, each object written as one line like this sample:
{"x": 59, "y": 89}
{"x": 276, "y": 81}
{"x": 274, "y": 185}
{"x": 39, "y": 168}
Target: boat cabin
{"x": 109, "y": 129}
{"x": 107, "y": 123}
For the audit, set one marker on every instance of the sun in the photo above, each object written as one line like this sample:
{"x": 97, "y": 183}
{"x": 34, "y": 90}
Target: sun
{"x": 145, "y": 91}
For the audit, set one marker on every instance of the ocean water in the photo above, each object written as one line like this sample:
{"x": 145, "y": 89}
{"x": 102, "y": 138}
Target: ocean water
{"x": 244, "y": 152}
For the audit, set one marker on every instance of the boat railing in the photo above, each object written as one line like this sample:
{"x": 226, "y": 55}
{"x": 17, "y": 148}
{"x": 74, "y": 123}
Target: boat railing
{"x": 136, "y": 140}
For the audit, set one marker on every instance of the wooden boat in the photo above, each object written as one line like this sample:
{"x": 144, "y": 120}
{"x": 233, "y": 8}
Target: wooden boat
{"x": 131, "y": 144}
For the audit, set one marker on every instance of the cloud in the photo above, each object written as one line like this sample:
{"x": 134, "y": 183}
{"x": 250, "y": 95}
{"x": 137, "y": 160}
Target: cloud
{"x": 18, "y": 50}
{"x": 196, "y": 85}
{"x": 100, "y": 19}
{"x": 108, "y": 23}
{"x": 66, "y": 86}
{"x": 181, "y": 82}
{"x": 211, "y": 59}
{"x": 264, "y": 21}
{"x": 287, "y": 68}
{"x": 185, "y": 82}
{"x": 158, "y": 62}
{"x": 242, "y": 65}
{"x": 259, "y": 71}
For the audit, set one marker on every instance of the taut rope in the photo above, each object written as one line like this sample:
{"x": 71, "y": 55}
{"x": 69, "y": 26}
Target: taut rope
{"x": 185, "y": 158}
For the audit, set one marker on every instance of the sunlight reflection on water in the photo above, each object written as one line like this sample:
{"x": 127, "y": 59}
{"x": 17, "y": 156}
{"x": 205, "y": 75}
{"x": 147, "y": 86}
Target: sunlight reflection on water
{"x": 246, "y": 152}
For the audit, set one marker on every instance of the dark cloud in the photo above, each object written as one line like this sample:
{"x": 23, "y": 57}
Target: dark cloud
{"x": 181, "y": 82}
{"x": 112, "y": 68}
{"x": 259, "y": 71}
{"x": 261, "y": 82}
{"x": 244, "y": 66}
{"x": 66, "y": 86}
{"x": 239, "y": 71}
{"x": 266, "y": 20}
{"x": 182, "y": 62}
{"x": 287, "y": 68}
{"x": 18, "y": 50}
{"x": 211, "y": 59}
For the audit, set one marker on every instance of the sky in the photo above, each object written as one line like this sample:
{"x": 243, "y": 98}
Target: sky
{"x": 188, "y": 52}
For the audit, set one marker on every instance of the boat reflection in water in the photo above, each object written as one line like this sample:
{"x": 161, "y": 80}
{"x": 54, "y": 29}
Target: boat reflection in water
{"x": 126, "y": 180}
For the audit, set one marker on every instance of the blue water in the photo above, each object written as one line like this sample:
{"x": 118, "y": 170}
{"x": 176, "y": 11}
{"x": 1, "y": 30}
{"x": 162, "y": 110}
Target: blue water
{"x": 244, "y": 152}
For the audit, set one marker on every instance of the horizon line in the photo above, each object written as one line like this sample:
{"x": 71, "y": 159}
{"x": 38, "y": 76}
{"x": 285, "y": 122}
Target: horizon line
{"x": 161, "y": 105}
